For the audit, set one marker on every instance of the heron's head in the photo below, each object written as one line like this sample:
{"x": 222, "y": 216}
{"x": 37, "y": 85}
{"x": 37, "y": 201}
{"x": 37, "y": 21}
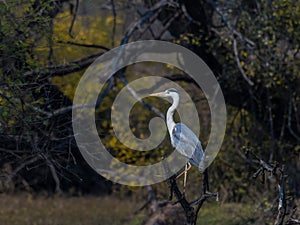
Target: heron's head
{"x": 172, "y": 92}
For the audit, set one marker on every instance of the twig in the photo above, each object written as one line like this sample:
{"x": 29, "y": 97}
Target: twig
{"x": 282, "y": 208}
{"x": 148, "y": 15}
{"x": 135, "y": 95}
{"x": 84, "y": 45}
{"x": 269, "y": 103}
{"x": 50, "y": 42}
{"x": 237, "y": 59}
{"x": 61, "y": 70}
{"x": 150, "y": 23}
{"x": 290, "y": 122}
{"x": 280, "y": 176}
{"x": 74, "y": 18}
{"x": 191, "y": 209}
{"x": 54, "y": 176}
{"x": 249, "y": 43}
{"x": 168, "y": 24}
{"x": 21, "y": 166}
{"x": 113, "y": 8}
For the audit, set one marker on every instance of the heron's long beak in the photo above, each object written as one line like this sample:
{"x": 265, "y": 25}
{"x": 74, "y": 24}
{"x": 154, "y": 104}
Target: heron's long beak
{"x": 159, "y": 94}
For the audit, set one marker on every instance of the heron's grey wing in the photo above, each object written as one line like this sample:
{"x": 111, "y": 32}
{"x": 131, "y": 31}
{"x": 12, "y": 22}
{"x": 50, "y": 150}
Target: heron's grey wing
{"x": 187, "y": 143}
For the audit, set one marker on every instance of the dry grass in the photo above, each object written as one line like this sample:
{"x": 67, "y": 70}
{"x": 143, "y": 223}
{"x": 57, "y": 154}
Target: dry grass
{"x": 28, "y": 210}
{"x": 226, "y": 214}
{"x": 25, "y": 209}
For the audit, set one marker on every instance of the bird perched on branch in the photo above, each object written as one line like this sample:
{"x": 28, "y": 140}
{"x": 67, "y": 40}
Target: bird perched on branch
{"x": 182, "y": 137}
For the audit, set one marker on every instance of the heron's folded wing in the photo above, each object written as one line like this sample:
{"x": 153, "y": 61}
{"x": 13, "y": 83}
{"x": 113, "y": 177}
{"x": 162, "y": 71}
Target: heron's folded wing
{"x": 186, "y": 143}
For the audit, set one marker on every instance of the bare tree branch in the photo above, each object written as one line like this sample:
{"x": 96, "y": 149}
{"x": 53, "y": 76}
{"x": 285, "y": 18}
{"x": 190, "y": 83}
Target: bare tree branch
{"x": 73, "y": 18}
{"x": 280, "y": 176}
{"x": 191, "y": 209}
{"x": 237, "y": 59}
{"x": 113, "y": 8}
{"x": 84, "y": 45}
{"x": 290, "y": 122}
{"x": 61, "y": 70}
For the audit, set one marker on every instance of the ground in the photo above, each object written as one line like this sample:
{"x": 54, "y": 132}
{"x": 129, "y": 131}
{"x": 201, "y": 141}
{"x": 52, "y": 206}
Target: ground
{"x": 25, "y": 209}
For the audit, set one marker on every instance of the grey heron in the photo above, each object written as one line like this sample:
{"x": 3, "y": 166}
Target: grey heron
{"x": 183, "y": 138}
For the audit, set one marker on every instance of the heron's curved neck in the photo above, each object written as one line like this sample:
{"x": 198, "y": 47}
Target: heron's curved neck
{"x": 170, "y": 114}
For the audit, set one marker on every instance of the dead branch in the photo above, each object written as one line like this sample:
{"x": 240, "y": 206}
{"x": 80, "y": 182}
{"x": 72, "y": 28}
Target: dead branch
{"x": 237, "y": 59}
{"x": 113, "y": 8}
{"x": 73, "y": 18}
{"x": 61, "y": 70}
{"x": 192, "y": 208}
{"x": 279, "y": 173}
{"x": 84, "y": 45}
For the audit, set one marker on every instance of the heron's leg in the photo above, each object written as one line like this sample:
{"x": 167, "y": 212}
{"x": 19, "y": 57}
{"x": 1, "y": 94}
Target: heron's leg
{"x": 186, "y": 169}
{"x": 189, "y": 166}
{"x": 184, "y": 178}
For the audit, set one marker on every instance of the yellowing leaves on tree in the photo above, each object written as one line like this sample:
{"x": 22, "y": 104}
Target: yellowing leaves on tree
{"x": 109, "y": 20}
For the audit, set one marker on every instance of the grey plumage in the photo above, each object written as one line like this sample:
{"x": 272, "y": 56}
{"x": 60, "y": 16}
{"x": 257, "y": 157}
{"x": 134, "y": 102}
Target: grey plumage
{"x": 183, "y": 138}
